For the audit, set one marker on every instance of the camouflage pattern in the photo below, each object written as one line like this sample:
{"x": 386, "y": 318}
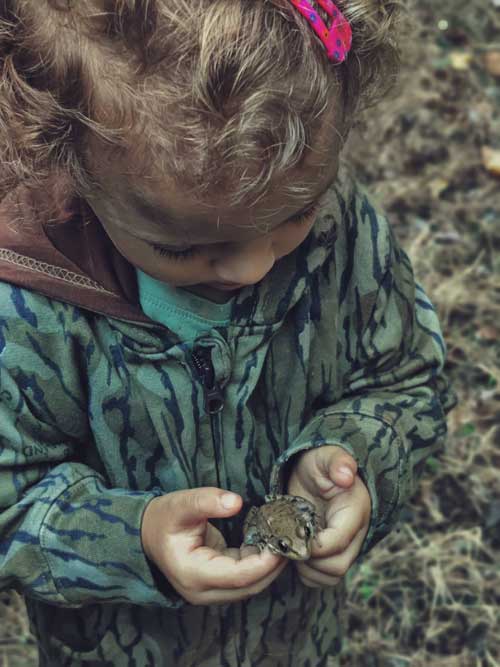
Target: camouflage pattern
{"x": 337, "y": 345}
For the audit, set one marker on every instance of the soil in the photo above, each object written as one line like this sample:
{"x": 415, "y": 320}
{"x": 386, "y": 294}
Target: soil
{"x": 428, "y": 595}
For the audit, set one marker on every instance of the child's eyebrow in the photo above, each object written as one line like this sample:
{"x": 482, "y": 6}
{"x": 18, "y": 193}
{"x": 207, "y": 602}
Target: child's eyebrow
{"x": 161, "y": 217}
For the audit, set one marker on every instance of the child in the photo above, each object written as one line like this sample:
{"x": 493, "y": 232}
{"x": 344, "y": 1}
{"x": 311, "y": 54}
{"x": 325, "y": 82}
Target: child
{"x": 198, "y": 307}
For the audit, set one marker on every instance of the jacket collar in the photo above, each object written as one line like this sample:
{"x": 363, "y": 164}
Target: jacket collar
{"x": 71, "y": 260}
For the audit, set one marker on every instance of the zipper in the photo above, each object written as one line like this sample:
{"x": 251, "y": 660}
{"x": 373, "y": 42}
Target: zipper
{"x": 214, "y": 398}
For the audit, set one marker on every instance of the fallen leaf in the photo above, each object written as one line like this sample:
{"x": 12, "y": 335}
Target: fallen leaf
{"x": 491, "y": 160}
{"x": 488, "y": 332}
{"x": 437, "y": 186}
{"x": 460, "y": 59}
{"x": 492, "y": 62}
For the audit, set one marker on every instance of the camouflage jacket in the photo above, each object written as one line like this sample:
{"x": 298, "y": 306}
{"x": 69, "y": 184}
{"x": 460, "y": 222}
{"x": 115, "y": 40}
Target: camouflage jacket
{"x": 103, "y": 409}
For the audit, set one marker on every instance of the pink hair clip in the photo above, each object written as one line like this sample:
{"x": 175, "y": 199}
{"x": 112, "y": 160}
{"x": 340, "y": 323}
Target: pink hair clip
{"x": 338, "y": 38}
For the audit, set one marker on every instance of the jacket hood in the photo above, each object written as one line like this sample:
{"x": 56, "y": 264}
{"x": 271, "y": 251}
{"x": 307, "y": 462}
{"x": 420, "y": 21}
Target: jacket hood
{"x": 74, "y": 261}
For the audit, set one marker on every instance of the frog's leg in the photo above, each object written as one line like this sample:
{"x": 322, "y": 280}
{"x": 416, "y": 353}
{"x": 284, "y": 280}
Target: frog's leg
{"x": 250, "y": 532}
{"x": 317, "y": 524}
{"x": 311, "y": 517}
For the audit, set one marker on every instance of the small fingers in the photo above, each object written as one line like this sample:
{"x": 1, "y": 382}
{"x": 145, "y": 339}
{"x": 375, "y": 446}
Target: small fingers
{"x": 208, "y": 569}
{"x": 314, "y": 579}
{"x": 331, "y": 541}
{"x": 312, "y": 576}
{"x": 243, "y": 552}
{"x": 191, "y": 507}
{"x": 346, "y": 516}
{"x": 224, "y": 595}
{"x": 248, "y": 551}
{"x": 332, "y": 567}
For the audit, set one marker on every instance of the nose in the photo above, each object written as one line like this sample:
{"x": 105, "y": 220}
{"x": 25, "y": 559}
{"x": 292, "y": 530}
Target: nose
{"x": 246, "y": 263}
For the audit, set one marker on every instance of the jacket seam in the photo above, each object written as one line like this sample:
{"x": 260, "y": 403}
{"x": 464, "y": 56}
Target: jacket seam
{"x": 364, "y": 414}
{"x": 64, "y": 275}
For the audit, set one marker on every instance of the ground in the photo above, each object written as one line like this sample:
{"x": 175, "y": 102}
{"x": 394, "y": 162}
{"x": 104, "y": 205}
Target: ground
{"x": 429, "y": 594}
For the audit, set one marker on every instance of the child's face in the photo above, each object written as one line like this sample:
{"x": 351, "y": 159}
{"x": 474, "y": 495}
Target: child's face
{"x": 210, "y": 248}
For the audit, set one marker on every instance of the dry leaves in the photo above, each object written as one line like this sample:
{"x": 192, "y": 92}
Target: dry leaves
{"x": 492, "y": 62}
{"x": 491, "y": 160}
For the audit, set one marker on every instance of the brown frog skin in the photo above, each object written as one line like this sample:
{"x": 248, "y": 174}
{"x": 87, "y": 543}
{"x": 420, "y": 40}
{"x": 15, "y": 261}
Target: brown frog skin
{"x": 286, "y": 525}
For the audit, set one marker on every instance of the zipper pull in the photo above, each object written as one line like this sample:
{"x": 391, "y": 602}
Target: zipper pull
{"x": 214, "y": 398}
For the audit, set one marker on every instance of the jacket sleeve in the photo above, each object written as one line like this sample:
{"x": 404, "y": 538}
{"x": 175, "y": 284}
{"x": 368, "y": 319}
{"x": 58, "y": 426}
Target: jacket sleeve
{"x": 66, "y": 537}
{"x": 390, "y": 415}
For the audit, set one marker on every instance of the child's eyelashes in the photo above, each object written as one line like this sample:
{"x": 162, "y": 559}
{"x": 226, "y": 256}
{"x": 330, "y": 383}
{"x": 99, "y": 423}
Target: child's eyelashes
{"x": 176, "y": 254}
{"x": 196, "y": 250}
{"x": 306, "y": 215}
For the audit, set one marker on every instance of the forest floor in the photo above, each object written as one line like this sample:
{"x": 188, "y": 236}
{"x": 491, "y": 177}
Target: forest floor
{"x": 429, "y": 594}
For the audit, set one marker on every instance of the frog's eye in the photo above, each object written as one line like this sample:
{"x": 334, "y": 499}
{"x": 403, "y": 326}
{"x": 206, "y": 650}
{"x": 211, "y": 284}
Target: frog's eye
{"x": 283, "y": 546}
{"x": 304, "y": 531}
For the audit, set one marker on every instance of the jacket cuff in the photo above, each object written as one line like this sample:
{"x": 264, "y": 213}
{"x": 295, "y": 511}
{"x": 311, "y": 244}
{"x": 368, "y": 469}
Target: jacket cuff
{"x": 374, "y": 445}
{"x": 91, "y": 539}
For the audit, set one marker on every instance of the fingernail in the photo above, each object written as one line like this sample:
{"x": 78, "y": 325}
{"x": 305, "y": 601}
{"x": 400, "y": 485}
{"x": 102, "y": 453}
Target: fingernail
{"x": 229, "y": 500}
{"x": 346, "y": 472}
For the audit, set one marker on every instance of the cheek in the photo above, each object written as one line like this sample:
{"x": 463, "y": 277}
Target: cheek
{"x": 177, "y": 273}
{"x": 290, "y": 238}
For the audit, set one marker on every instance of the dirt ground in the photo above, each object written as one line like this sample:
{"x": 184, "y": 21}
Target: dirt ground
{"x": 429, "y": 594}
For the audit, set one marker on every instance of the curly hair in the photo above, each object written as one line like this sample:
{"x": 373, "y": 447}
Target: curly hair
{"x": 212, "y": 92}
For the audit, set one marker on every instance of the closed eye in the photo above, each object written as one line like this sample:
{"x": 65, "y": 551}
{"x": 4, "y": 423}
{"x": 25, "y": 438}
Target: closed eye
{"x": 187, "y": 253}
{"x": 176, "y": 254}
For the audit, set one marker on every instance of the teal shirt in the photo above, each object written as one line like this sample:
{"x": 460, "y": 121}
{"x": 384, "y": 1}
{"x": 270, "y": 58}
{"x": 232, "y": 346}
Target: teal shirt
{"x": 184, "y": 313}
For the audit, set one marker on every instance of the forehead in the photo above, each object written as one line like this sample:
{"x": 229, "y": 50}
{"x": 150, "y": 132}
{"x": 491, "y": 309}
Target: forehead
{"x": 168, "y": 212}
{"x": 164, "y": 210}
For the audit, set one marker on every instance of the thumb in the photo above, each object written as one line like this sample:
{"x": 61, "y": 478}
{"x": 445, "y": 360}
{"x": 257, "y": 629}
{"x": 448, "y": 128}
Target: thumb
{"x": 342, "y": 469}
{"x": 194, "y": 506}
{"x": 337, "y": 468}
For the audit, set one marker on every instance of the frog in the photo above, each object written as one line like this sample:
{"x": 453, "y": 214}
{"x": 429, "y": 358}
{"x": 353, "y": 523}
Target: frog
{"x": 286, "y": 524}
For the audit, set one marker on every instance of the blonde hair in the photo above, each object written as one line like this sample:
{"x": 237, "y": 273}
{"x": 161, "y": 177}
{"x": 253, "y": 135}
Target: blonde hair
{"x": 216, "y": 93}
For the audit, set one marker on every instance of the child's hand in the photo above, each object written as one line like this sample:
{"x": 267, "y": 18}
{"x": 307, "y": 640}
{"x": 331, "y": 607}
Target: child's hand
{"x": 192, "y": 553}
{"x": 343, "y": 501}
